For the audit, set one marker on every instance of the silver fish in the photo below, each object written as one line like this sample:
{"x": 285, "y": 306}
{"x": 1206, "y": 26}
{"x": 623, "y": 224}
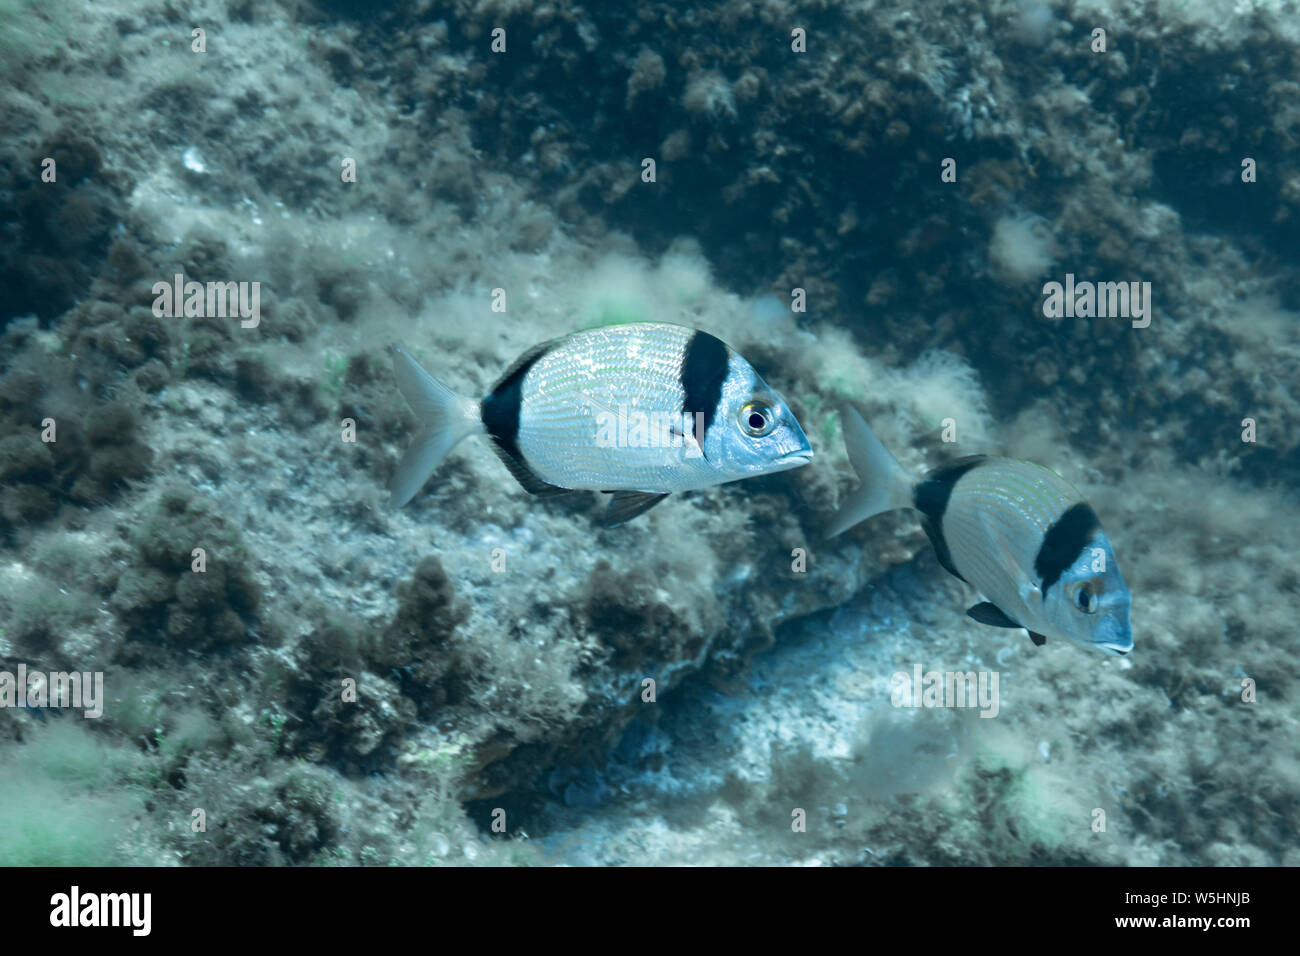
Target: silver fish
{"x": 1017, "y": 532}
{"x": 640, "y": 410}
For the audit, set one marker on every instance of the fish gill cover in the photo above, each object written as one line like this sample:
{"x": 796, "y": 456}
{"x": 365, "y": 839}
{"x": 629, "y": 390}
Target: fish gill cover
{"x": 1058, "y": 231}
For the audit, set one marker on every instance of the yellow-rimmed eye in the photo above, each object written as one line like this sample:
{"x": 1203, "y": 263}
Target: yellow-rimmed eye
{"x": 757, "y": 419}
{"x": 1087, "y": 596}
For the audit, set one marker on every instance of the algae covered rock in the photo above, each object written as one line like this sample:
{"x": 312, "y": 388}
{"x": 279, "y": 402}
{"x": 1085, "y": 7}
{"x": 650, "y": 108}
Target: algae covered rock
{"x": 193, "y": 584}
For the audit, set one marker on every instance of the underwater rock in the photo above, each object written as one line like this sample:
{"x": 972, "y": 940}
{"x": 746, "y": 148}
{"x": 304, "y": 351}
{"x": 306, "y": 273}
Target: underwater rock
{"x": 501, "y": 646}
{"x": 176, "y": 595}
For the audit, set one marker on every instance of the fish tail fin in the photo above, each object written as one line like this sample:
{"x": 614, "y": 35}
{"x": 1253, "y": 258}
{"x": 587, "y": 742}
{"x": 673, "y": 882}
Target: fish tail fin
{"x": 445, "y": 417}
{"x": 885, "y": 485}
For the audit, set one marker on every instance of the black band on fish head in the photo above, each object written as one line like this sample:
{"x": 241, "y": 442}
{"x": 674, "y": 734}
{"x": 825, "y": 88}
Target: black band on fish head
{"x": 705, "y": 367}
{"x": 1064, "y": 542}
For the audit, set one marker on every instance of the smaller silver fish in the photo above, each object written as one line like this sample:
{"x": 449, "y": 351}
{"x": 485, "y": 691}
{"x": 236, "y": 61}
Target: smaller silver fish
{"x": 1017, "y": 532}
{"x": 639, "y": 410}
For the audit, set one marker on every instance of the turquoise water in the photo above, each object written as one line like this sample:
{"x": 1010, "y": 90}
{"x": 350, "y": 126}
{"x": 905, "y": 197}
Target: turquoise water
{"x": 869, "y": 203}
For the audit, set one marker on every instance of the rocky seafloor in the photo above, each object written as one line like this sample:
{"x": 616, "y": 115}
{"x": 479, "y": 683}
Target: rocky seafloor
{"x": 499, "y": 644}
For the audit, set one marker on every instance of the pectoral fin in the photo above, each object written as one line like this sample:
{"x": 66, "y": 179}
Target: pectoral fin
{"x": 626, "y": 505}
{"x": 988, "y": 613}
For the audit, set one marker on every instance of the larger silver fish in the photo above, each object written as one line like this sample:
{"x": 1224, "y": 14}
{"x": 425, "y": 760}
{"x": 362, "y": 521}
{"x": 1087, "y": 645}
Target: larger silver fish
{"x": 640, "y": 410}
{"x": 1016, "y": 531}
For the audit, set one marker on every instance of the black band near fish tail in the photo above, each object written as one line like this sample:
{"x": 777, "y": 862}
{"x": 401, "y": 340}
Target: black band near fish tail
{"x": 704, "y": 368}
{"x": 931, "y": 499}
{"x": 1063, "y": 543}
{"x": 500, "y": 410}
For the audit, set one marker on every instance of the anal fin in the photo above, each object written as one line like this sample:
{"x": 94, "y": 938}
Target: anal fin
{"x": 527, "y": 478}
{"x": 934, "y": 532}
{"x": 1038, "y": 639}
{"x": 626, "y": 505}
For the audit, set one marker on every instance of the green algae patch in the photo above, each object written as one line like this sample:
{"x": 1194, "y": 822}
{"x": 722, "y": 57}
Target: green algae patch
{"x": 61, "y": 803}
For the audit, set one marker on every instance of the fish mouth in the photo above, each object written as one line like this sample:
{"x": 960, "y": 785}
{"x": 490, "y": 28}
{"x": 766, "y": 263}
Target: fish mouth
{"x": 796, "y": 460}
{"x": 1115, "y": 634}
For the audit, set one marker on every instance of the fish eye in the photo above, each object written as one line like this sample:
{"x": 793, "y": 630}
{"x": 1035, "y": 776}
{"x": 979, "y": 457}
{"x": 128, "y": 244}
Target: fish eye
{"x": 1086, "y": 600}
{"x": 757, "y": 419}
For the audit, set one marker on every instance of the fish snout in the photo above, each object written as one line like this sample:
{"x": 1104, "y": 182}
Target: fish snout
{"x": 794, "y": 459}
{"x": 795, "y": 451}
{"x": 1116, "y": 637}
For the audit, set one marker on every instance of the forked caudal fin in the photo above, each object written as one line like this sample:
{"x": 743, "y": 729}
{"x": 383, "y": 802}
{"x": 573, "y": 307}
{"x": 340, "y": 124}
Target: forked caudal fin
{"x": 885, "y": 485}
{"x": 445, "y": 418}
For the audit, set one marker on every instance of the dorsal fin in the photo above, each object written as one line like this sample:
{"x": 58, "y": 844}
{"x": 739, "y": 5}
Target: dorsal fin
{"x": 934, "y": 490}
{"x": 525, "y": 361}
